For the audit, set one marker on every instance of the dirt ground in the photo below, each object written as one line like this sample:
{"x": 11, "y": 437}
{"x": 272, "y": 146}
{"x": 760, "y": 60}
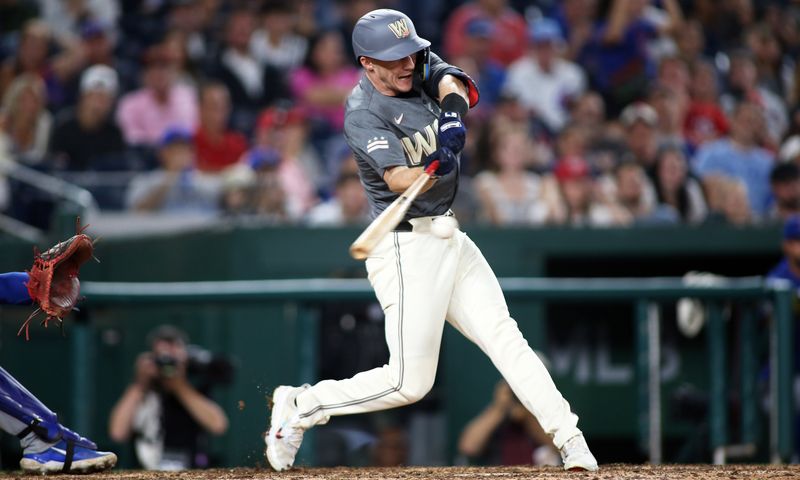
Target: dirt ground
{"x": 607, "y": 472}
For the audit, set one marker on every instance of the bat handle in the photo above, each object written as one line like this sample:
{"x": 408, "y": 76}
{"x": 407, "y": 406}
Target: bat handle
{"x": 432, "y": 167}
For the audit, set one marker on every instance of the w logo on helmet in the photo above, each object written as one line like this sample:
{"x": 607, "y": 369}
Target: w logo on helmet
{"x": 399, "y": 28}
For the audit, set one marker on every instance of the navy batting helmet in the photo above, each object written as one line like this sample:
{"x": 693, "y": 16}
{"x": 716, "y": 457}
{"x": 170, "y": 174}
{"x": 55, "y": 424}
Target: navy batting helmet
{"x": 388, "y": 35}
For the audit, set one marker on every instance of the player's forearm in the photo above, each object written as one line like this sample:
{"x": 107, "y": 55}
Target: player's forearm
{"x": 202, "y": 409}
{"x": 452, "y": 84}
{"x": 119, "y": 423}
{"x": 400, "y": 178}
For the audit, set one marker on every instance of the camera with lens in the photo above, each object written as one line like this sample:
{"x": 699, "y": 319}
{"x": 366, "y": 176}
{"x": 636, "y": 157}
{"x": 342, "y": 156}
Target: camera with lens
{"x": 167, "y": 366}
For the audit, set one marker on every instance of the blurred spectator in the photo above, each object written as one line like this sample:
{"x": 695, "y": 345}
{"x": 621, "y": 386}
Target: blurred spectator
{"x": 739, "y": 157}
{"x": 545, "y": 82}
{"x": 633, "y": 207}
{"x": 508, "y": 193}
{"x": 676, "y": 189}
{"x": 475, "y": 61}
{"x": 641, "y": 123}
{"x": 33, "y": 57}
{"x": 174, "y": 47}
{"x": 787, "y": 271}
{"x": 322, "y": 84}
{"x": 194, "y": 22}
{"x": 283, "y": 132}
{"x": 238, "y": 190}
{"x": 588, "y": 111}
{"x": 26, "y": 123}
{"x": 727, "y": 200}
{"x": 768, "y": 58}
{"x": 577, "y": 191}
{"x": 275, "y": 42}
{"x": 673, "y": 74}
{"x": 724, "y": 22}
{"x": 146, "y": 114}
{"x": 789, "y": 267}
{"x": 86, "y": 132}
{"x": 97, "y": 43}
{"x": 307, "y": 15}
{"x": 166, "y": 410}
{"x": 641, "y": 138}
{"x": 349, "y": 203}
{"x": 347, "y": 14}
{"x": 617, "y": 57}
{"x": 572, "y": 141}
{"x": 576, "y": 19}
{"x": 176, "y": 187}
{"x": 505, "y": 433}
{"x": 691, "y": 42}
{"x": 509, "y": 30}
{"x": 784, "y": 181}
{"x": 215, "y": 144}
{"x": 743, "y": 87}
{"x": 269, "y": 201}
{"x": 705, "y": 120}
{"x": 671, "y": 106}
{"x": 67, "y": 18}
{"x": 252, "y": 85}
{"x": 391, "y": 447}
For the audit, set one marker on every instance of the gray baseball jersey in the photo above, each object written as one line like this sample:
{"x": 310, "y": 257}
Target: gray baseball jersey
{"x": 386, "y": 132}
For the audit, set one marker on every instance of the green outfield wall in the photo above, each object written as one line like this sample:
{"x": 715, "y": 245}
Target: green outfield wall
{"x": 589, "y": 345}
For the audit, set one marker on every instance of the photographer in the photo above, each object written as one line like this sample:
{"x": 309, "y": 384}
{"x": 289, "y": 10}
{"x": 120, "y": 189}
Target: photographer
{"x": 505, "y": 433}
{"x": 168, "y": 417}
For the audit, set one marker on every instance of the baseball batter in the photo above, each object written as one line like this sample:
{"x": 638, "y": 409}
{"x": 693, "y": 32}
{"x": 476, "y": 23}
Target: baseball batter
{"x": 405, "y": 113}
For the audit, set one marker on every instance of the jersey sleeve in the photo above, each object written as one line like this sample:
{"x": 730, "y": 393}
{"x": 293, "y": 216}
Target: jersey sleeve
{"x": 440, "y": 68}
{"x": 371, "y": 140}
{"x": 13, "y": 289}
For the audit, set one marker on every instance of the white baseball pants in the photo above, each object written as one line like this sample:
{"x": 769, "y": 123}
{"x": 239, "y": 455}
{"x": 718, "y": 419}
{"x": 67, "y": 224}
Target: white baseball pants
{"x": 421, "y": 280}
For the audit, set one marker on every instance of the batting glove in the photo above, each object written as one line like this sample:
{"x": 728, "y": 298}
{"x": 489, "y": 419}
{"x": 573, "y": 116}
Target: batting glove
{"x": 452, "y": 133}
{"x": 447, "y": 160}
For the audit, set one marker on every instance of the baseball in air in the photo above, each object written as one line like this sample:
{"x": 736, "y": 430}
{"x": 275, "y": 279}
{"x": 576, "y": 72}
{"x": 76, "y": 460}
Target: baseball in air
{"x": 443, "y": 227}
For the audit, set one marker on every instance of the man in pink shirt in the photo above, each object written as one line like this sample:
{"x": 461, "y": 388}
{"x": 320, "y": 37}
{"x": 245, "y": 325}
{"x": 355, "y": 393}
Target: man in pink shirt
{"x": 144, "y": 115}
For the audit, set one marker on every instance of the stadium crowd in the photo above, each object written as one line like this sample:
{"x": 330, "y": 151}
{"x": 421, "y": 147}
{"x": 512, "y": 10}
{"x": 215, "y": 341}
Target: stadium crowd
{"x": 592, "y": 112}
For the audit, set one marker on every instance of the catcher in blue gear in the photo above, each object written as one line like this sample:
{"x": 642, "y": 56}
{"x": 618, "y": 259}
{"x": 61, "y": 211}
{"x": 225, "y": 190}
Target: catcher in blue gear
{"x": 48, "y": 446}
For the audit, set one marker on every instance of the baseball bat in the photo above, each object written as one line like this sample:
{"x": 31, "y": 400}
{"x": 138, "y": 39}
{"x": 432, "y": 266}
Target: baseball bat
{"x": 390, "y": 217}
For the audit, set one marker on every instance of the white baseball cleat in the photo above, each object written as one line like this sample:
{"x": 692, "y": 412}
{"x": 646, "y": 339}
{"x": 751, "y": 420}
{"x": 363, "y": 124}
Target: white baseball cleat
{"x": 576, "y": 455}
{"x": 284, "y": 436}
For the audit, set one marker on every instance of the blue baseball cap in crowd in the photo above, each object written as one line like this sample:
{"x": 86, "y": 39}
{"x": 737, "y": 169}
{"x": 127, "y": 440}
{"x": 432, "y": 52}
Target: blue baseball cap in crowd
{"x": 92, "y": 29}
{"x": 545, "y": 30}
{"x": 175, "y": 135}
{"x": 259, "y": 158}
{"x": 791, "y": 228}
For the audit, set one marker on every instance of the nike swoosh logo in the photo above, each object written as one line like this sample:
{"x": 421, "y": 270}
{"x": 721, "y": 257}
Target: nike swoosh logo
{"x": 399, "y": 119}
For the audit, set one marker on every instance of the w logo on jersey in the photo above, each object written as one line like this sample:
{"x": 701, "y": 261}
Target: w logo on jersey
{"x": 421, "y": 145}
{"x": 399, "y": 28}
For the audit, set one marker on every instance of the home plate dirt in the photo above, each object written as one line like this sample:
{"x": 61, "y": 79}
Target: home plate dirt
{"x": 607, "y": 472}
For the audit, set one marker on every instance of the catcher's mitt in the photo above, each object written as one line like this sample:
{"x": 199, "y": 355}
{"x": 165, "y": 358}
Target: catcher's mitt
{"x": 53, "y": 283}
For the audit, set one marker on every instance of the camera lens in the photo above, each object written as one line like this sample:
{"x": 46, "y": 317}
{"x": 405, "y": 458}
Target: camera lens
{"x": 167, "y": 365}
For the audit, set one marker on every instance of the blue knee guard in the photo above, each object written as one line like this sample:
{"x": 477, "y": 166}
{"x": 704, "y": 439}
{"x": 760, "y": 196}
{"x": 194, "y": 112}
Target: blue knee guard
{"x": 18, "y": 402}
